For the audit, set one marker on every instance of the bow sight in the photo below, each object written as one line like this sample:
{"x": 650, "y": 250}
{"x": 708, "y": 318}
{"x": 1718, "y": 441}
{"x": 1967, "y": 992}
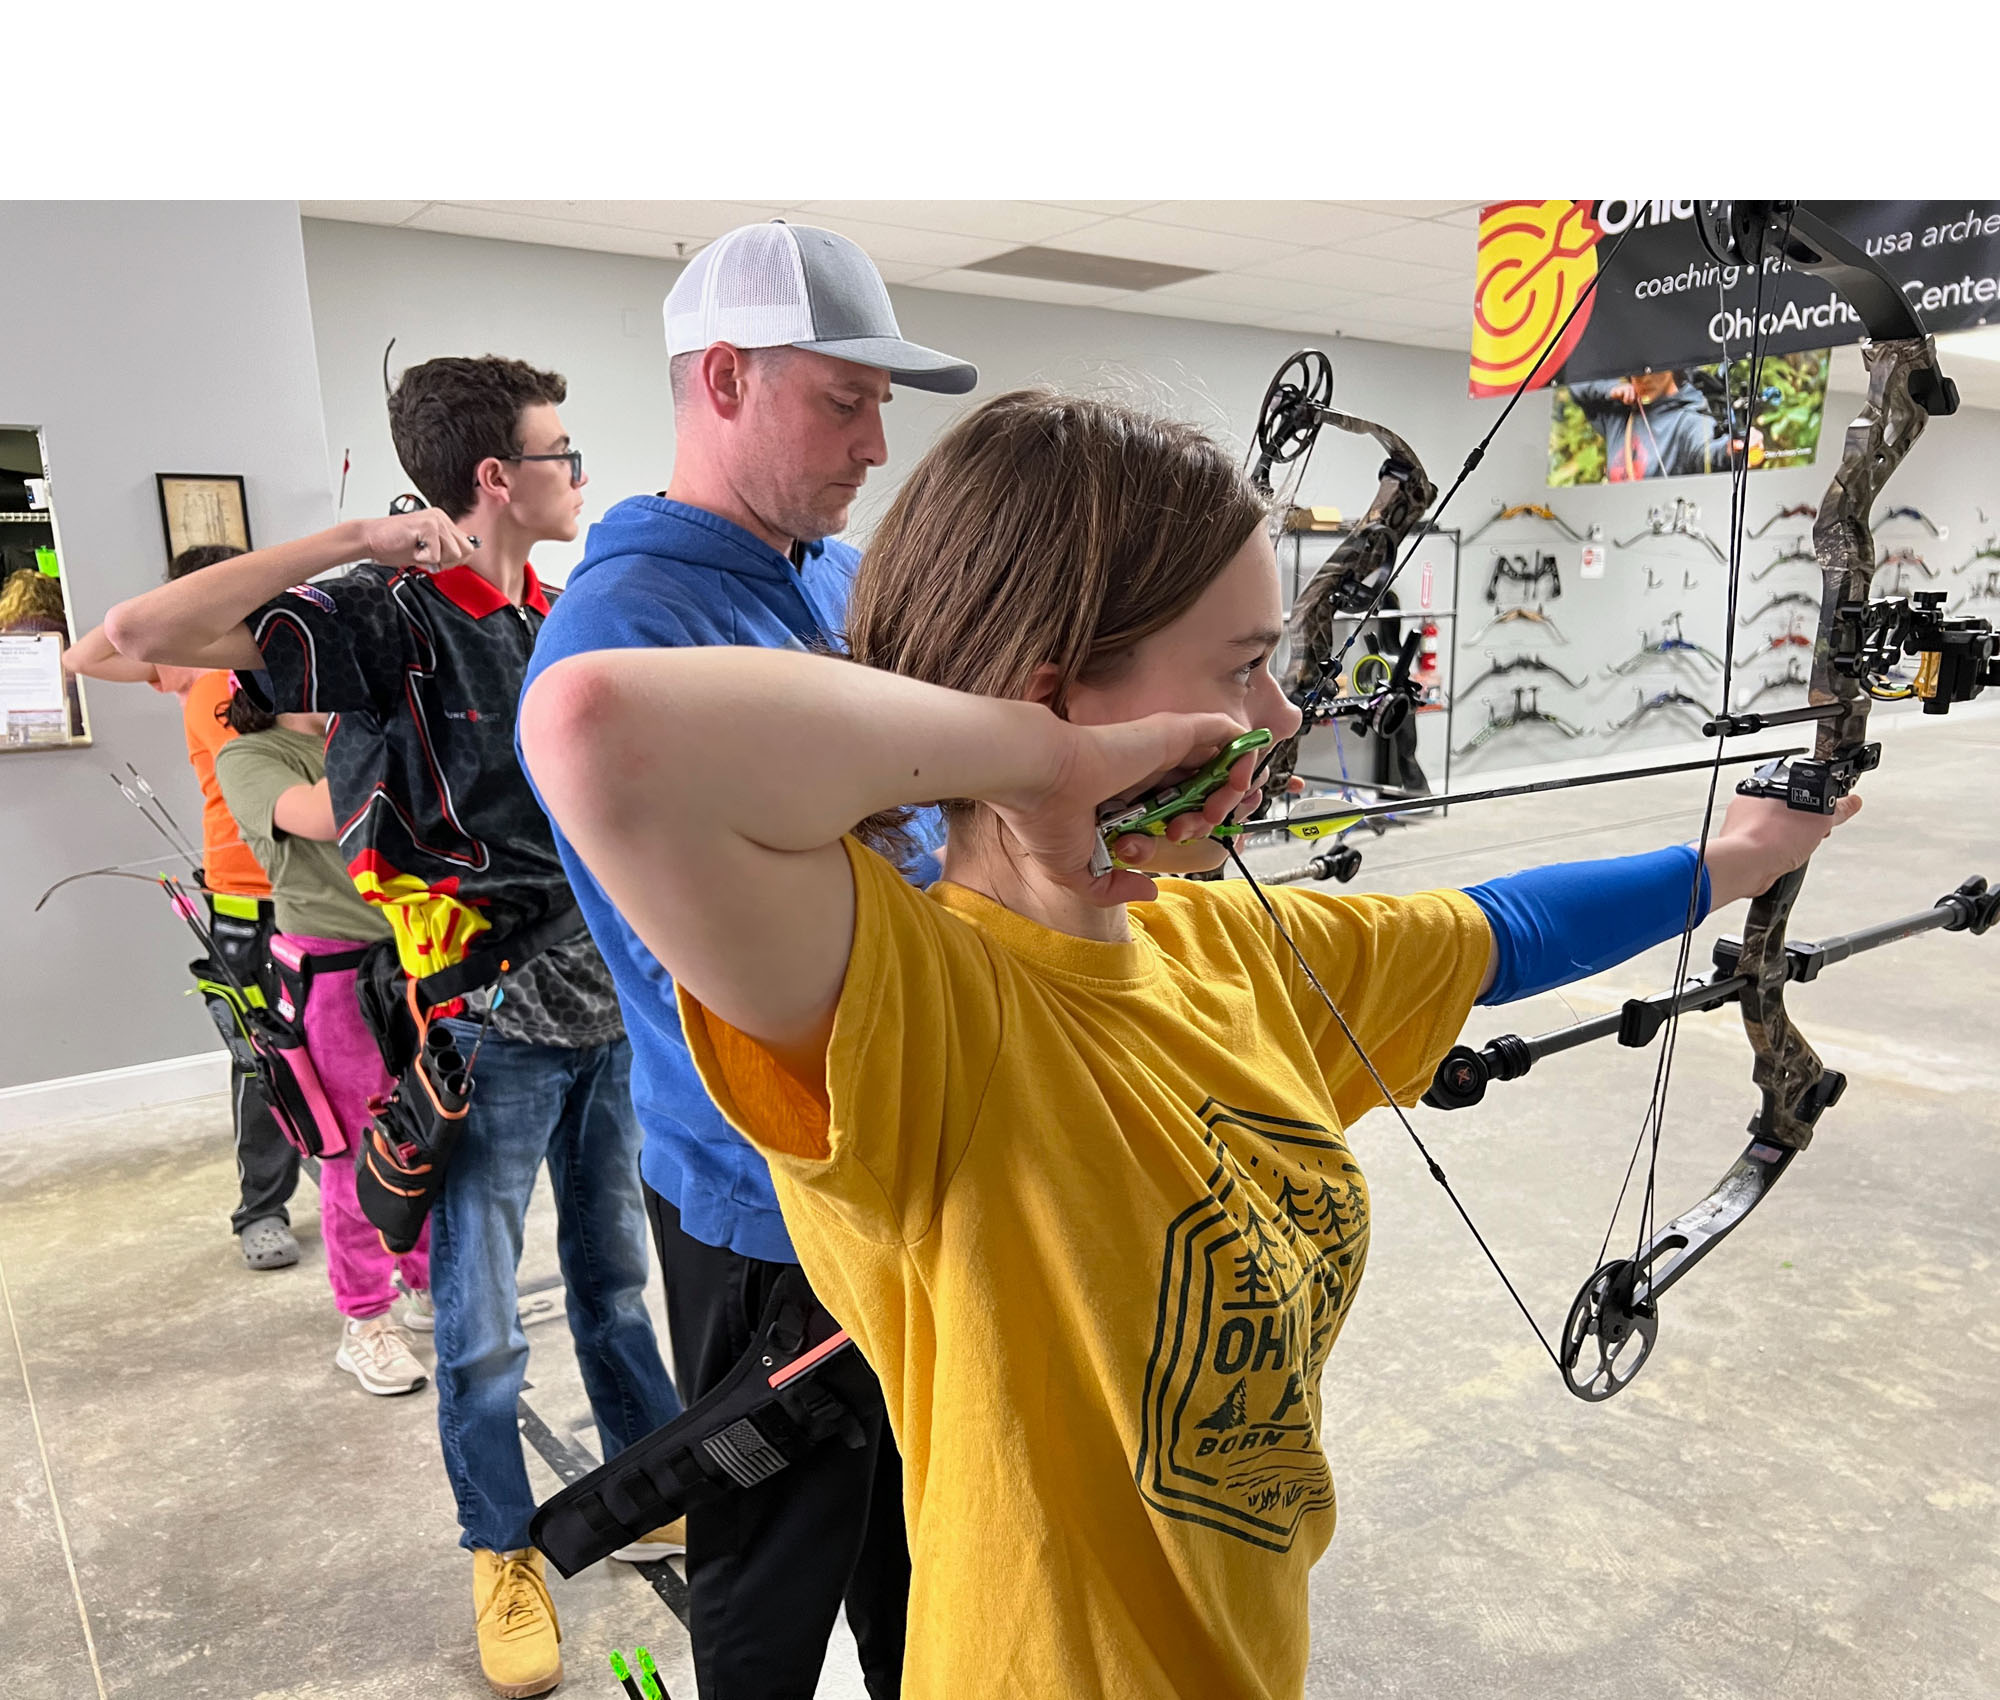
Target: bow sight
{"x": 1956, "y": 658}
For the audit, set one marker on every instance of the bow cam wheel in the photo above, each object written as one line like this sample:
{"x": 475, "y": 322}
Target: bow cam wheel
{"x": 1609, "y": 1334}
{"x": 1288, "y": 420}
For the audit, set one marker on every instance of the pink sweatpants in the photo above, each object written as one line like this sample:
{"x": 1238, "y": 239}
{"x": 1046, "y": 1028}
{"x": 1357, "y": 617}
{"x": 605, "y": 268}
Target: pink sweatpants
{"x": 350, "y": 1070}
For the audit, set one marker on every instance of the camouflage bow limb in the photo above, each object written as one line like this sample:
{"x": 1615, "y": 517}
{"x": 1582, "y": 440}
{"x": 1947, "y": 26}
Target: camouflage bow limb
{"x": 1343, "y": 582}
{"x": 1611, "y": 1325}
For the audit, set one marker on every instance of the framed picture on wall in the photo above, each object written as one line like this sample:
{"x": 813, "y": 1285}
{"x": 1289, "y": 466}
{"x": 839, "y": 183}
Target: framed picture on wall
{"x": 203, "y": 507}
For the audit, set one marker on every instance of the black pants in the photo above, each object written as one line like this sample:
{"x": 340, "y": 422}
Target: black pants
{"x": 267, "y": 1168}
{"x": 769, "y": 1567}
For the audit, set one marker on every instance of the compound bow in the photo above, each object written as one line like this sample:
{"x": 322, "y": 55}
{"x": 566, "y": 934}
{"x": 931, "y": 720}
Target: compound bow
{"x": 1353, "y": 580}
{"x": 1612, "y": 1325}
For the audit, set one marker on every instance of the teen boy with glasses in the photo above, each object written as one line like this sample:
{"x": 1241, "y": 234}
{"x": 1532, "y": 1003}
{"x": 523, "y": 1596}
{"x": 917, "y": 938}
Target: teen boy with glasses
{"x": 422, "y": 669}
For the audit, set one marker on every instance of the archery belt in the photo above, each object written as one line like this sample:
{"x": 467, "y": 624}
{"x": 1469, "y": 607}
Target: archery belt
{"x": 229, "y": 1007}
{"x": 230, "y": 978}
{"x": 799, "y": 1386}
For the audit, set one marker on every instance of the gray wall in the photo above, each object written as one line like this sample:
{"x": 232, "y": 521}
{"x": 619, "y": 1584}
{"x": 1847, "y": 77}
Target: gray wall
{"x": 142, "y": 339}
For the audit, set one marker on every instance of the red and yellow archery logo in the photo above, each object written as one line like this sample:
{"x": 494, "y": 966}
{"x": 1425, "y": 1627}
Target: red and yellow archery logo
{"x": 1535, "y": 259}
{"x": 433, "y": 928}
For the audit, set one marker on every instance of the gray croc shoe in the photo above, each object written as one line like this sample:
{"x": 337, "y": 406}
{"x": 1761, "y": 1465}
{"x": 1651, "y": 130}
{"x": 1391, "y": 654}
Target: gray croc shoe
{"x": 268, "y": 1244}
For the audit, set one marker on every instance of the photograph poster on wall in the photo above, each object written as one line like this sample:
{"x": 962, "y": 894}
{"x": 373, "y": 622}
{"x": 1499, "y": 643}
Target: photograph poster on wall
{"x": 201, "y": 508}
{"x": 1685, "y": 420}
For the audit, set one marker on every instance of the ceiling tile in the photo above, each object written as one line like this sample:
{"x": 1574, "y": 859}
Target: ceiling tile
{"x": 1358, "y": 274}
{"x": 1311, "y": 224}
{"x": 455, "y": 220}
{"x": 905, "y": 271}
{"x": 680, "y": 218}
{"x": 1150, "y": 303}
{"x": 1138, "y": 239}
{"x": 1106, "y": 209}
{"x": 899, "y": 242}
{"x": 1017, "y": 222}
{"x": 1022, "y": 288}
{"x": 363, "y": 212}
{"x": 1409, "y": 209}
{"x": 1451, "y": 287}
{"x": 1093, "y": 271}
{"x": 1422, "y": 243}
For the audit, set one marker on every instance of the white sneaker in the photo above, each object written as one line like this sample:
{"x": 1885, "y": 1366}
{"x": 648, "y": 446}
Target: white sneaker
{"x": 663, "y": 1542}
{"x": 415, "y": 1309}
{"x": 377, "y": 1355}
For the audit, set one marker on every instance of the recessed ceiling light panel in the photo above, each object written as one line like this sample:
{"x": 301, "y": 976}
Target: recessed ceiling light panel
{"x": 1098, "y": 271}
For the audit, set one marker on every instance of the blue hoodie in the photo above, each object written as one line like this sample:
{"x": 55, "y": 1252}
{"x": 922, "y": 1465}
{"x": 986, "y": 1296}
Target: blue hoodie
{"x": 657, "y": 573}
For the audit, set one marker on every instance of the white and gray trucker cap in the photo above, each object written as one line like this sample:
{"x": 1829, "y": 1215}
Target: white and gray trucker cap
{"x": 782, "y": 285}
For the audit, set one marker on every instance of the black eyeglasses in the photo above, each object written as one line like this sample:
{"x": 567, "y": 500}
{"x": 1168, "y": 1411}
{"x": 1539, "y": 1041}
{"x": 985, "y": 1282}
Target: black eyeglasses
{"x": 573, "y": 456}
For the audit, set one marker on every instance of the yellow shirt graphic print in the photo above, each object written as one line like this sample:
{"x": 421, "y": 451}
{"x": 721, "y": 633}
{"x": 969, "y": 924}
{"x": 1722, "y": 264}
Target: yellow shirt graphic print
{"x": 1088, "y": 1210}
{"x": 1253, "y": 1287}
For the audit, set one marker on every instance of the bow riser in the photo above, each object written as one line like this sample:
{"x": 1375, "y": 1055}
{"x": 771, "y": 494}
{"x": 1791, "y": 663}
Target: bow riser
{"x": 1795, "y": 1085}
{"x": 1402, "y": 498}
{"x": 1399, "y": 507}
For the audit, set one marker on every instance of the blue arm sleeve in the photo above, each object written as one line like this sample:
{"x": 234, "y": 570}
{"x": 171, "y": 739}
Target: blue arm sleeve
{"x": 1555, "y": 925}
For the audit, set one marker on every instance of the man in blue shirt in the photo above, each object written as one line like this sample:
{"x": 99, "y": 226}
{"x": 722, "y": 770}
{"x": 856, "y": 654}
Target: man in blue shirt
{"x": 783, "y": 347}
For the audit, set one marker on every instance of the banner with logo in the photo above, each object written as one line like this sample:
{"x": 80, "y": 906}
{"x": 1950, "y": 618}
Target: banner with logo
{"x": 1667, "y": 304}
{"x": 1680, "y": 421}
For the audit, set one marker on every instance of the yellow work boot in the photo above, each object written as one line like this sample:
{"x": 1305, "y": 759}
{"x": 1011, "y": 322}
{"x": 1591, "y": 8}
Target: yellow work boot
{"x": 519, "y": 1638}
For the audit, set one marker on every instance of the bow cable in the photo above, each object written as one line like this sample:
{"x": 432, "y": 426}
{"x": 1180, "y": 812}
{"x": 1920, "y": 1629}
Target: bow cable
{"x": 1652, "y": 1123}
{"x": 1464, "y": 472}
{"x": 1389, "y": 1098}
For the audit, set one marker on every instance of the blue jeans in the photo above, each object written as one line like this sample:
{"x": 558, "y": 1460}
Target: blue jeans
{"x": 574, "y": 1109}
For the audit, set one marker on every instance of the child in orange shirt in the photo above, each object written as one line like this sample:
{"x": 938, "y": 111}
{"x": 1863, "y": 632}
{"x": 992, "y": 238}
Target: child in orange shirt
{"x": 239, "y": 919}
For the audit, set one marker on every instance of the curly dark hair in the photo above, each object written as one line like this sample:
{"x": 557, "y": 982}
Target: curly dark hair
{"x": 201, "y": 555}
{"x": 240, "y": 714}
{"x": 446, "y": 416}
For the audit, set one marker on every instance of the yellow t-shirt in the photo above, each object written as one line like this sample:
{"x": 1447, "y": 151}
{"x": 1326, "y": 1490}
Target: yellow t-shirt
{"x": 1087, "y": 1210}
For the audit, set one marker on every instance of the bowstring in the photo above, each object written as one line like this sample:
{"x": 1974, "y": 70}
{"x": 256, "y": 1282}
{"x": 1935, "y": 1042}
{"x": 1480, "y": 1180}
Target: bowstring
{"x": 1388, "y": 1097}
{"x": 1332, "y": 671}
{"x": 1652, "y": 1124}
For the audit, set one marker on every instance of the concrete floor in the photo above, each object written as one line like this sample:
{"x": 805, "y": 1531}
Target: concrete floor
{"x": 1798, "y": 1499}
